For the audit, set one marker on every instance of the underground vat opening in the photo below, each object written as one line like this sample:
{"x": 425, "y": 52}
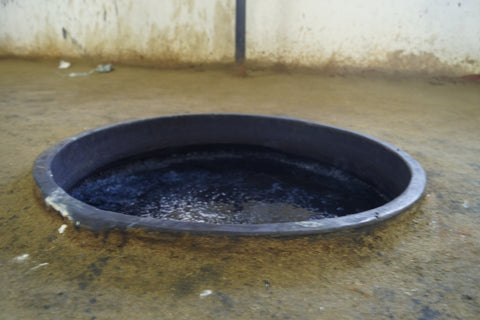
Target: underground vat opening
{"x": 228, "y": 174}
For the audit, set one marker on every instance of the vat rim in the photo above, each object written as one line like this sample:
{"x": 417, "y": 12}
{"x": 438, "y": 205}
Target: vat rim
{"x": 94, "y": 219}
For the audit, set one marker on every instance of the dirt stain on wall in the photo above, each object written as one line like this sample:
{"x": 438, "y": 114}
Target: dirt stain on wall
{"x": 198, "y": 33}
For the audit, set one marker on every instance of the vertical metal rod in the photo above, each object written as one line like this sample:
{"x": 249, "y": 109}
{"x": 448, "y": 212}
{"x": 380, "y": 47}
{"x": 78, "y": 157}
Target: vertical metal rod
{"x": 240, "y": 33}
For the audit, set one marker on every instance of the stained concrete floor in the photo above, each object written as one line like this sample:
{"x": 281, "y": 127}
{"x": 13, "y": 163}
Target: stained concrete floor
{"x": 424, "y": 265}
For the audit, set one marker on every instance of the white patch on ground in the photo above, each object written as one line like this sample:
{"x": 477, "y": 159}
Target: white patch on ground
{"x": 21, "y": 258}
{"x": 62, "y": 228}
{"x": 64, "y": 64}
{"x": 39, "y": 266}
{"x": 205, "y": 293}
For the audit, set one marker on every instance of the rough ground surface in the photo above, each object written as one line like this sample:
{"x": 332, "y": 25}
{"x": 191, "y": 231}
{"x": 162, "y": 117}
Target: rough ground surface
{"x": 425, "y": 265}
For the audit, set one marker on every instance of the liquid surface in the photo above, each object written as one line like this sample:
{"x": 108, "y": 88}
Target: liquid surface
{"x": 227, "y": 184}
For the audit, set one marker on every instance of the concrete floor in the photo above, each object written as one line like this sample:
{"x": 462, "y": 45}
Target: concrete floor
{"x": 424, "y": 265}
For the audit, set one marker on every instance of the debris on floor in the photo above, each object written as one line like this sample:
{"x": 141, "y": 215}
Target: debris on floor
{"x": 62, "y": 228}
{"x": 21, "y": 258}
{"x": 39, "y": 266}
{"x": 104, "y": 68}
{"x": 64, "y": 65}
{"x": 101, "y": 68}
{"x": 205, "y": 293}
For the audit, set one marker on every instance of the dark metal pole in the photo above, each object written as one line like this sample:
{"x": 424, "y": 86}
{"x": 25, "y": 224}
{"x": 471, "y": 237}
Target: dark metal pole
{"x": 240, "y": 33}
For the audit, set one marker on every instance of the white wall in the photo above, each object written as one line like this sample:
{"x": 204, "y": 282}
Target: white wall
{"x": 168, "y": 30}
{"x": 405, "y": 35}
{"x": 400, "y": 34}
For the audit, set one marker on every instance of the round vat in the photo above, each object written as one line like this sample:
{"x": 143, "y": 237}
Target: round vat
{"x": 269, "y": 175}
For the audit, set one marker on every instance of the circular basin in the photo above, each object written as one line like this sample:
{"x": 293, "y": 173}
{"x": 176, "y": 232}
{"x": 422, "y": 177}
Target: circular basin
{"x": 227, "y": 174}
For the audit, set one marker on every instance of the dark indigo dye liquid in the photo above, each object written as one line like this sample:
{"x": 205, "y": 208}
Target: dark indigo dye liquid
{"x": 227, "y": 185}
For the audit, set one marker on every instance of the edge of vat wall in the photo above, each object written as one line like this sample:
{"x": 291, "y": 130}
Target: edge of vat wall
{"x": 410, "y": 36}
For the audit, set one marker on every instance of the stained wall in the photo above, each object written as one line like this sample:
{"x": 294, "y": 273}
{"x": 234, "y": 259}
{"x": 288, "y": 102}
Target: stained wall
{"x": 411, "y": 35}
